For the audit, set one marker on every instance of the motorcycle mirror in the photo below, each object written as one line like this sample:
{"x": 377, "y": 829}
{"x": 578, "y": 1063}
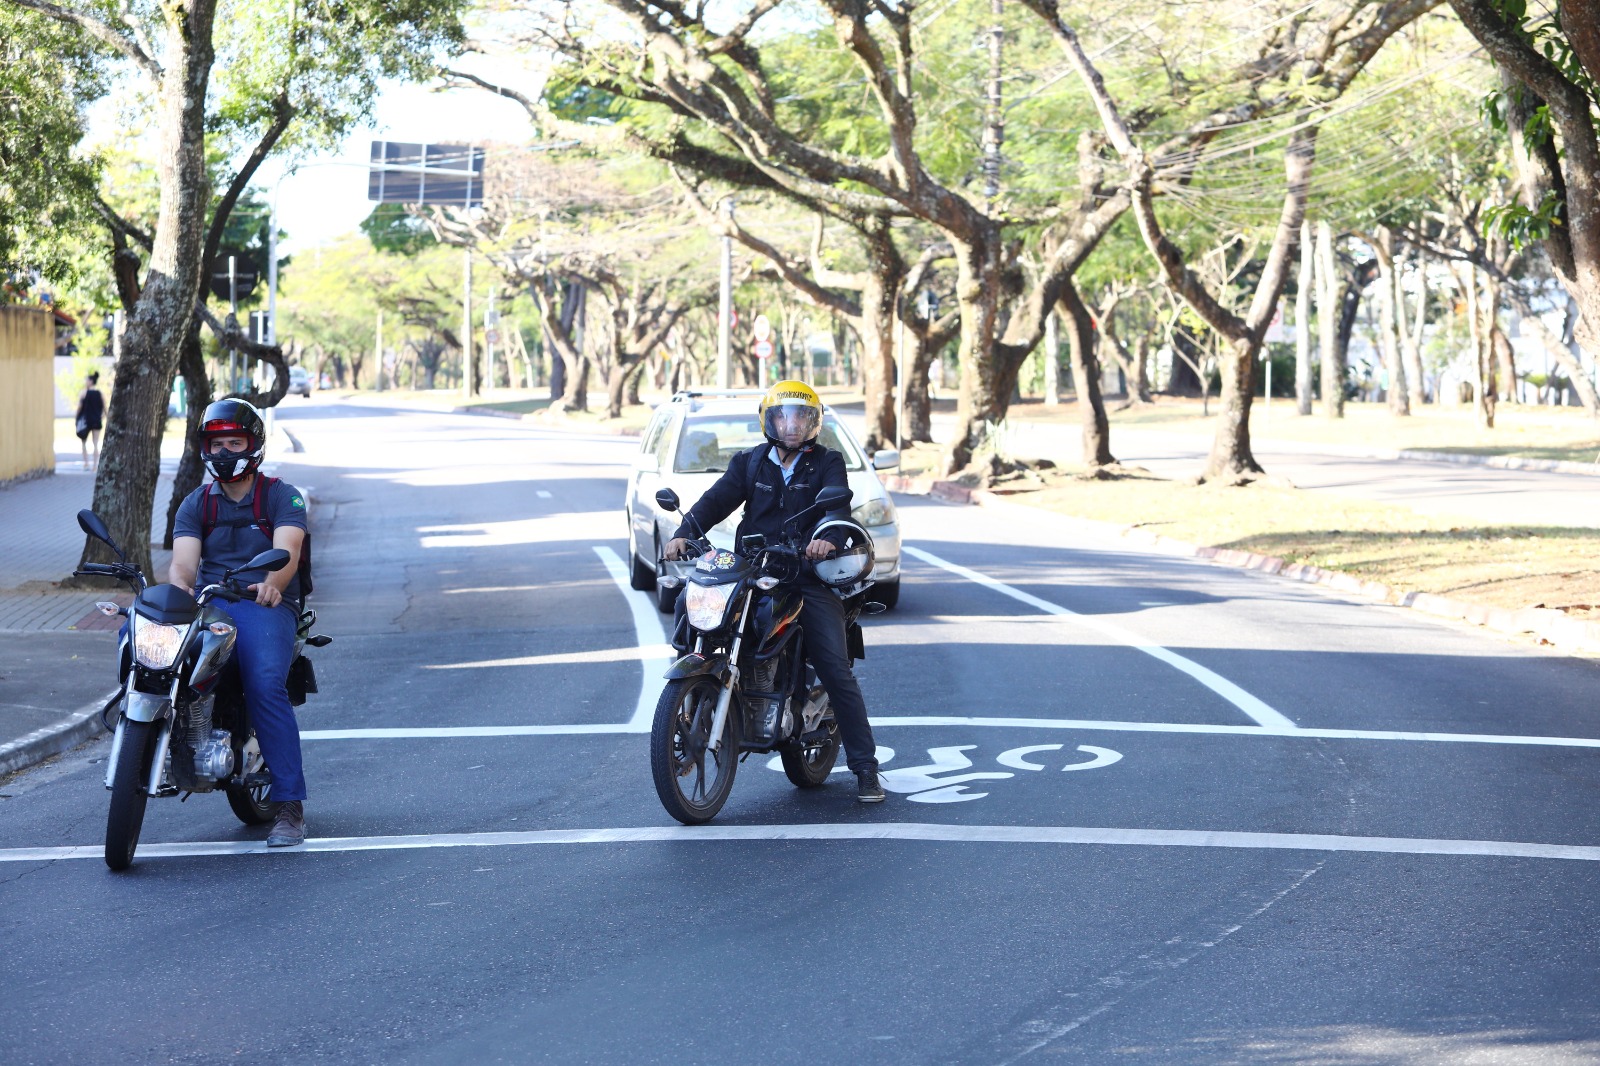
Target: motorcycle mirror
{"x": 832, "y": 497}
{"x": 667, "y": 499}
{"x": 90, "y": 523}
{"x": 271, "y": 559}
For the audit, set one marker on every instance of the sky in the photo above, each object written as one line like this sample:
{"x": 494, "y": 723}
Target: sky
{"x": 326, "y": 196}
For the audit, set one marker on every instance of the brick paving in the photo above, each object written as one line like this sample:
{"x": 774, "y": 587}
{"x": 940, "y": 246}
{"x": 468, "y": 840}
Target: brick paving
{"x": 40, "y": 544}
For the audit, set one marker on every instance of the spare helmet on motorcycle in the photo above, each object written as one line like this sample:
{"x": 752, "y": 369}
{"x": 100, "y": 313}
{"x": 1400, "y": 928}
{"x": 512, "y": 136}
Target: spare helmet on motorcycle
{"x": 791, "y": 415}
{"x": 232, "y": 418}
{"x": 850, "y": 564}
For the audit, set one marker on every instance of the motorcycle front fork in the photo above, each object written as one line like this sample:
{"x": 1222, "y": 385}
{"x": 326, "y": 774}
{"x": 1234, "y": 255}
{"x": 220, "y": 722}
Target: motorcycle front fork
{"x": 729, "y": 683}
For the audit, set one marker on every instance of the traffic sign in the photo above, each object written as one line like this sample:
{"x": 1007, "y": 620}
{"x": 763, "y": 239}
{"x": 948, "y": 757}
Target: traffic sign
{"x": 762, "y": 349}
{"x": 762, "y": 328}
{"x": 245, "y": 274}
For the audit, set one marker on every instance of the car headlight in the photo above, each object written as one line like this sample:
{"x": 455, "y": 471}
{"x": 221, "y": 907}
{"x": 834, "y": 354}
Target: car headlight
{"x": 707, "y": 604}
{"x": 874, "y": 513}
{"x": 156, "y": 644}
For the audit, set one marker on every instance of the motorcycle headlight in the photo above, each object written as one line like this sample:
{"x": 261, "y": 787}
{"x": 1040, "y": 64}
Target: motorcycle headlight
{"x": 156, "y": 644}
{"x": 707, "y": 605}
{"x": 874, "y": 513}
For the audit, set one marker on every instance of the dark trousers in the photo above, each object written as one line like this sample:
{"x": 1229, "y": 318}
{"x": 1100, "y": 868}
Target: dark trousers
{"x": 822, "y": 624}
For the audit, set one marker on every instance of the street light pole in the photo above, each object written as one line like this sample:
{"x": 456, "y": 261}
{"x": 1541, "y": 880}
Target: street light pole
{"x": 725, "y": 307}
{"x": 466, "y": 322}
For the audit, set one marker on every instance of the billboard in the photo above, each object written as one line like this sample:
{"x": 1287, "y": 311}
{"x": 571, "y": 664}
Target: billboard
{"x": 448, "y": 175}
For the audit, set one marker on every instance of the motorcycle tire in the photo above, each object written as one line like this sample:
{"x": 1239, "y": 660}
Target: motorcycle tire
{"x": 692, "y": 782}
{"x": 810, "y": 767}
{"x": 250, "y": 805}
{"x": 129, "y": 780}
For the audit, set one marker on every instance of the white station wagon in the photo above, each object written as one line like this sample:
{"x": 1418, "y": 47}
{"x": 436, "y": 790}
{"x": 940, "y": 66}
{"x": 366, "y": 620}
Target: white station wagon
{"x": 687, "y": 445}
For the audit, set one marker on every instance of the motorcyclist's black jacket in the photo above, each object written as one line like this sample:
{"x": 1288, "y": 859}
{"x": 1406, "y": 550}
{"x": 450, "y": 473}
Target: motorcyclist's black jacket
{"x": 756, "y": 481}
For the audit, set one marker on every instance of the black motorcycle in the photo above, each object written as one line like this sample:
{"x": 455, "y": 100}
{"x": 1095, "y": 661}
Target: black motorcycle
{"x": 745, "y": 686}
{"x": 181, "y": 724}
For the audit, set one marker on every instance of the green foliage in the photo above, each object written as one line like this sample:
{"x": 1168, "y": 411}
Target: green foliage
{"x": 391, "y": 229}
{"x": 1521, "y": 226}
{"x": 47, "y": 76}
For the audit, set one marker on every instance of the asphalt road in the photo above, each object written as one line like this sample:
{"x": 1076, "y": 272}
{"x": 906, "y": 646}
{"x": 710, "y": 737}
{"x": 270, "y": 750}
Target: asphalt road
{"x": 1141, "y": 810}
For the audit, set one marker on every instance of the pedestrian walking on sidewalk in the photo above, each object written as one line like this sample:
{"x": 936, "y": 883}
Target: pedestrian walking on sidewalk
{"x": 222, "y": 525}
{"x": 90, "y": 420}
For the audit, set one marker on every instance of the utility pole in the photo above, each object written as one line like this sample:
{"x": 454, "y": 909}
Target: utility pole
{"x": 466, "y": 322}
{"x": 1052, "y": 362}
{"x": 377, "y": 348}
{"x": 725, "y": 307}
{"x": 491, "y": 320}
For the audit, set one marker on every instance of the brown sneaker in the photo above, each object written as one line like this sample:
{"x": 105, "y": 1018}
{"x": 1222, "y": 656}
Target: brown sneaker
{"x": 290, "y": 827}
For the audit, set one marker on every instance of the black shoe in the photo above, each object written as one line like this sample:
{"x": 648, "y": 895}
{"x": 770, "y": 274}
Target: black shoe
{"x": 867, "y": 788}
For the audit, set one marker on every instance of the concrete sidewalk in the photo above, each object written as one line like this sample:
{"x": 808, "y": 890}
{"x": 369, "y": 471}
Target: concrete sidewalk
{"x": 57, "y": 653}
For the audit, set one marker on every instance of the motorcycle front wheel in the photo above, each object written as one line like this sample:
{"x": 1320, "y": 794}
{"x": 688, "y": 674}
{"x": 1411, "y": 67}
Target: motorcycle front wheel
{"x": 810, "y": 767}
{"x": 692, "y": 781}
{"x": 129, "y": 780}
{"x": 249, "y": 803}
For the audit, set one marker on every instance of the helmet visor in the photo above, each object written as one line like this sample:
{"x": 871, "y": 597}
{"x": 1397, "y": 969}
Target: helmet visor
{"x": 792, "y": 423}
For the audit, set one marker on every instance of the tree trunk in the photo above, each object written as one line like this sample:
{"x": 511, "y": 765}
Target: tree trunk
{"x": 1302, "y": 319}
{"x": 1388, "y": 327}
{"x": 985, "y": 387}
{"x": 1410, "y": 335}
{"x": 1086, "y": 372}
{"x": 197, "y": 394}
{"x": 878, "y": 330}
{"x": 130, "y": 458}
{"x": 1328, "y": 324}
{"x": 919, "y": 408}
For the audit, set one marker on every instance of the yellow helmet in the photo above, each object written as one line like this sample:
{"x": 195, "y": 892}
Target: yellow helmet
{"x": 791, "y": 414}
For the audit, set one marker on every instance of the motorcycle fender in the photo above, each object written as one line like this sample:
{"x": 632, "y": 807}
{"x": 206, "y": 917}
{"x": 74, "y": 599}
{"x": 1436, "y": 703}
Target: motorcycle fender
{"x": 694, "y": 664}
{"x": 144, "y": 707}
{"x": 854, "y": 641}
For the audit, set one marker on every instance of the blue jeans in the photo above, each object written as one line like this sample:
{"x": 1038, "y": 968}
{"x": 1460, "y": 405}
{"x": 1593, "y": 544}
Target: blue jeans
{"x": 263, "y": 652}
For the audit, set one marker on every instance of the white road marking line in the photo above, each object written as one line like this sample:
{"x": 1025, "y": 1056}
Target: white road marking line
{"x": 909, "y": 831}
{"x": 1087, "y": 725}
{"x": 1100, "y": 757}
{"x": 1258, "y": 711}
{"x": 653, "y": 653}
{"x": 651, "y": 633}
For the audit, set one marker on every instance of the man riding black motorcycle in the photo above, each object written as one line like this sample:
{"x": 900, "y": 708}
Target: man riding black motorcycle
{"x": 776, "y": 481}
{"x": 224, "y": 524}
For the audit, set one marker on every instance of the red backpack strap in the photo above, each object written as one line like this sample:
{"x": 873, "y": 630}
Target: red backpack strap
{"x": 258, "y": 504}
{"x": 208, "y": 510}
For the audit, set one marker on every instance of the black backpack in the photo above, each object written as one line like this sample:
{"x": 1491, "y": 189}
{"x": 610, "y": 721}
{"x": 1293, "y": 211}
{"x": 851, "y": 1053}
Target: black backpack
{"x": 258, "y": 507}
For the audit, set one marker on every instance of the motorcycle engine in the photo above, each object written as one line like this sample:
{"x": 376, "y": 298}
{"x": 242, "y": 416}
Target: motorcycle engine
{"x": 212, "y": 749}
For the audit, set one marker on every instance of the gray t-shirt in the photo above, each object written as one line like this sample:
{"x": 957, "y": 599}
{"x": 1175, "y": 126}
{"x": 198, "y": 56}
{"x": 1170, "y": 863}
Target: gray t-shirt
{"x": 235, "y": 538}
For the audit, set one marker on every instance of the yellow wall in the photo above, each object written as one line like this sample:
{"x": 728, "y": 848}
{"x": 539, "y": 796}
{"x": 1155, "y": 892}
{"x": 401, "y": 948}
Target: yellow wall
{"x": 27, "y": 397}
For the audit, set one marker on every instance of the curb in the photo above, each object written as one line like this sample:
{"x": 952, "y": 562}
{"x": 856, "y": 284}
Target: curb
{"x": 1550, "y": 626}
{"x": 555, "y": 425}
{"x": 51, "y": 740}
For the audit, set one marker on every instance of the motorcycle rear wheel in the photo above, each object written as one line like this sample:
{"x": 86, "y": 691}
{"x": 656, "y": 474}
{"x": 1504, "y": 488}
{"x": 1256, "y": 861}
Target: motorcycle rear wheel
{"x": 810, "y": 767}
{"x": 129, "y": 780}
{"x": 250, "y": 805}
{"x": 692, "y": 782}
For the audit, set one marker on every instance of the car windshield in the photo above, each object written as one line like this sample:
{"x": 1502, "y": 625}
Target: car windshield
{"x": 709, "y": 441}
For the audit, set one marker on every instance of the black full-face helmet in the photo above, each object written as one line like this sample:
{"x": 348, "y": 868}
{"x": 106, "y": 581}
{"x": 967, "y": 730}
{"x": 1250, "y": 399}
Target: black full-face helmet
{"x": 233, "y": 418}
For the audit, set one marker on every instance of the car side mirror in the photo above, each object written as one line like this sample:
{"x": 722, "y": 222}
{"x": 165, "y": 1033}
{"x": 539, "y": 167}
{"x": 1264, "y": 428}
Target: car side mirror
{"x": 667, "y": 499}
{"x": 885, "y": 459}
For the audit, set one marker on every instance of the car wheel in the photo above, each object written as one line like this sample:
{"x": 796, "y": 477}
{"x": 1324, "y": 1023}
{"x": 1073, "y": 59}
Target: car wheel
{"x": 641, "y": 575}
{"x": 886, "y": 593}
